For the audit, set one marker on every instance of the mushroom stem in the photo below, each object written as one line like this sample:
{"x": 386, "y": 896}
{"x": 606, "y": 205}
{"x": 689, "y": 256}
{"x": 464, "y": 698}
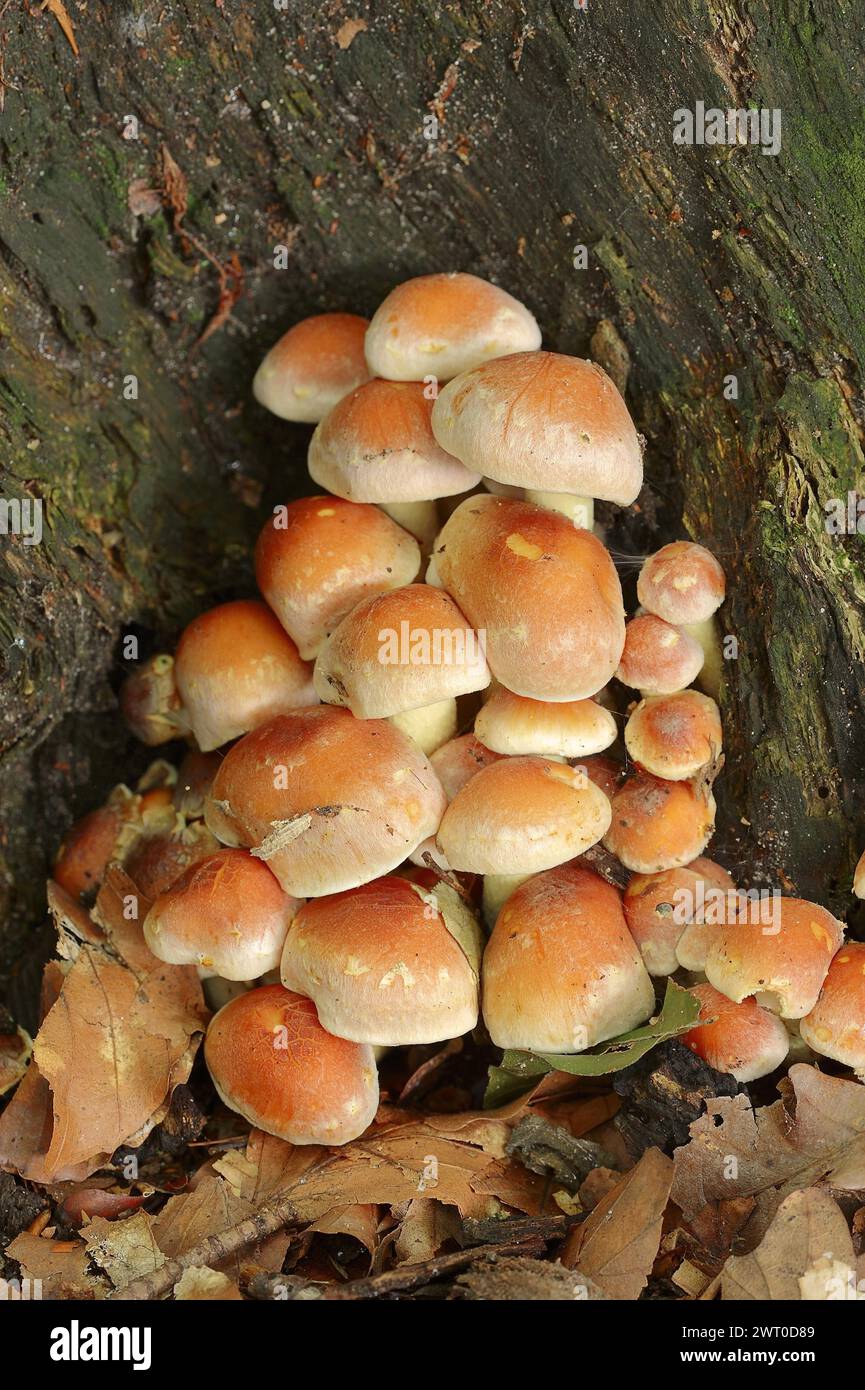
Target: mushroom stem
{"x": 430, "y": 726}
{"x": 420, "y": 519}
{"x": 579, "y": 510}
{"x": 497, "y": 890}
{"x": 706, "y": 633}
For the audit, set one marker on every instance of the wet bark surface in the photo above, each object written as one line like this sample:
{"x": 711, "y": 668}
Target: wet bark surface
{"x": 499, "y": 138}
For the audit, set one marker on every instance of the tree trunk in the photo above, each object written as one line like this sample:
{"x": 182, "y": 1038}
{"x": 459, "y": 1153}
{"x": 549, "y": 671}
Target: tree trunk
{"x": 493, "y": 136}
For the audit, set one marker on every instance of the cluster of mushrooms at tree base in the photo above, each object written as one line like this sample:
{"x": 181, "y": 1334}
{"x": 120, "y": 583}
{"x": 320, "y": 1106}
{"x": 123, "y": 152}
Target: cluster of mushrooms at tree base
{"x": 442, "y": 795}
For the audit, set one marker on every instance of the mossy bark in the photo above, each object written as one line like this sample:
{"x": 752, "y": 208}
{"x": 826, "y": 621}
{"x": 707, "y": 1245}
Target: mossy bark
{"x": 552, "y": 130}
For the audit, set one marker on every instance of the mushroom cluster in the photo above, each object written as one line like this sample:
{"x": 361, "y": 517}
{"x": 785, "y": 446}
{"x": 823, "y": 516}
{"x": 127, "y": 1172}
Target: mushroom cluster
{"x": 405, "y": 812}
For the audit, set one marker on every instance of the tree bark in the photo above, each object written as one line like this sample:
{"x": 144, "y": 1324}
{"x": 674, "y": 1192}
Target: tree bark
{"x": 497, "y": 137}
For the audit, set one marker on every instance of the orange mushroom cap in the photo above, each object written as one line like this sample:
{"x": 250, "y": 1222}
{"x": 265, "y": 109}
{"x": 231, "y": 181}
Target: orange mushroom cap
{"x": 744, "y": 1040}
{"x": 835, "y": 1027}
{"x": 561, "y": 971}
{"x": 377, "y": 445}
{"x": 272, "y": 1062}
{"x": 236, "y": 668}
{"x": 782, "y": 961}
{"x": 521, "y": 815}
{"x": 326, "y": 800}
{"x": 313, "y": 366}
{"x": 389, "y": 963}
{"x": 226, "y": 914}
{"x": 681, "y": 583}
{"x": 659, "y": 825}
{"x": 674, "y": 736}
{"x": 545, "y": 593}
{"x": 438, "y": 325}
{"x": 543, "y": 421}
{"x": 317, "y": 557}
{"x": 658, "y": 658}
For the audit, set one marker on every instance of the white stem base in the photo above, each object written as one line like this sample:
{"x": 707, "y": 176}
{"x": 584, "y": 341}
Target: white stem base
{"x": 497, "y": 890}
{"x": 418, "y": 518}
{"x": 431, "y": 726}
{"x": 706, "y": 633}
{"x": 579, "y": 510}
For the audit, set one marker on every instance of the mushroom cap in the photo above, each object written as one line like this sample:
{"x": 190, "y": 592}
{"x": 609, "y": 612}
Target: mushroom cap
{"x": 681, "y": 583}
{"x": 327, "y": 556}
{"x": 399, "y": 651}
{"x": 390, "y": 963}
{"x": 438, "y": 325}
{"x": 326, "y": 800}
{"x": 88, "y": 848}
{"x": 658, "y": 825}
{"x": 544, "y": 421}
{"x": 835, "y": 1027}
{"x": 744, "y": 1040}
{"x": 458, "y": 760}
{"x": 674, "y": 736}
{"x": 658, "y": 658}
{"x": 313, "y": 366}
{"x": 561, "y": 971}
{"x": 376, "y": 445}
{"x": 520, "y": 815}
{"x": 545, "y": 592}
{"x": 783, "y": 962}
{"x": 659, "y": 909}
{"x": 237, "y": 667}
{"x": 150, "y": 702}
{"x": 156, "y": 859}
{"x": 514, "y": 724}
{"x": 272, "y": 1062}
{"x": 226, "y": 914}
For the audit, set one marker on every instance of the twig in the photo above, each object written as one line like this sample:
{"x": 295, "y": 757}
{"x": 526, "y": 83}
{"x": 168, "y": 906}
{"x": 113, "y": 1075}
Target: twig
{"x": 413, "y": 1275}
{"x": 212, "y": 1250}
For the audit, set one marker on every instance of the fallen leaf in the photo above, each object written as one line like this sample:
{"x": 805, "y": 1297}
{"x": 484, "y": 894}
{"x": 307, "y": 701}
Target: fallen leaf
{"x": 15, "y": 1051}
{"x": 423, "y": 1230}
{"x": 520, "y": 1279}
{"x": 385, "y": 1167}
{"x": 816, "y": 1131}
{"x": 199, "y": 1283}
{"x": 808, "y": 1242}
{"x": 87, "y": 1201}
{"x": 359, "y": 1221}
{"x": 60, "y": 1265}
{"x": 58, "y": 9}
{"x": 680, "y": 1009}
{"x": 126, "y": 1250}
{"x": 348, "y": 32}
{"x": 617, "y": 1245}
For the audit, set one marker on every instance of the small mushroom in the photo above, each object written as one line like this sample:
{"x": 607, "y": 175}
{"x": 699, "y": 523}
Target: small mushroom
{"x": 658, "y": 658}
{"x": 561, "y": 971}
{"x": 443, "y": 324}
{"x": 237, "y": 667}
{"x": 319, "y": 556}
{"x": 553, "y": 425}
{"x": 390, "y": 963}
{"x": 273, "y": 1063}
{"x": 782, "y": 962}
{"x": 313, "y": 366}
{"x": 674, "y": 736}
{"x": 514, "y": 725}
{"x": 741, "y": 1039}
{"x": 226, "y": 914}
{"x": 409, "y": 652}
{"x": 659, "y": 825}
{"x": 518, "y": 816}
{"x": 377, "y": 446}
{"x": 835, "y": 1027}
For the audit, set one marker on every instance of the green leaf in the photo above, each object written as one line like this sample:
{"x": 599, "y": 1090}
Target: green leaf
{"x": 518, "y": 1071}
